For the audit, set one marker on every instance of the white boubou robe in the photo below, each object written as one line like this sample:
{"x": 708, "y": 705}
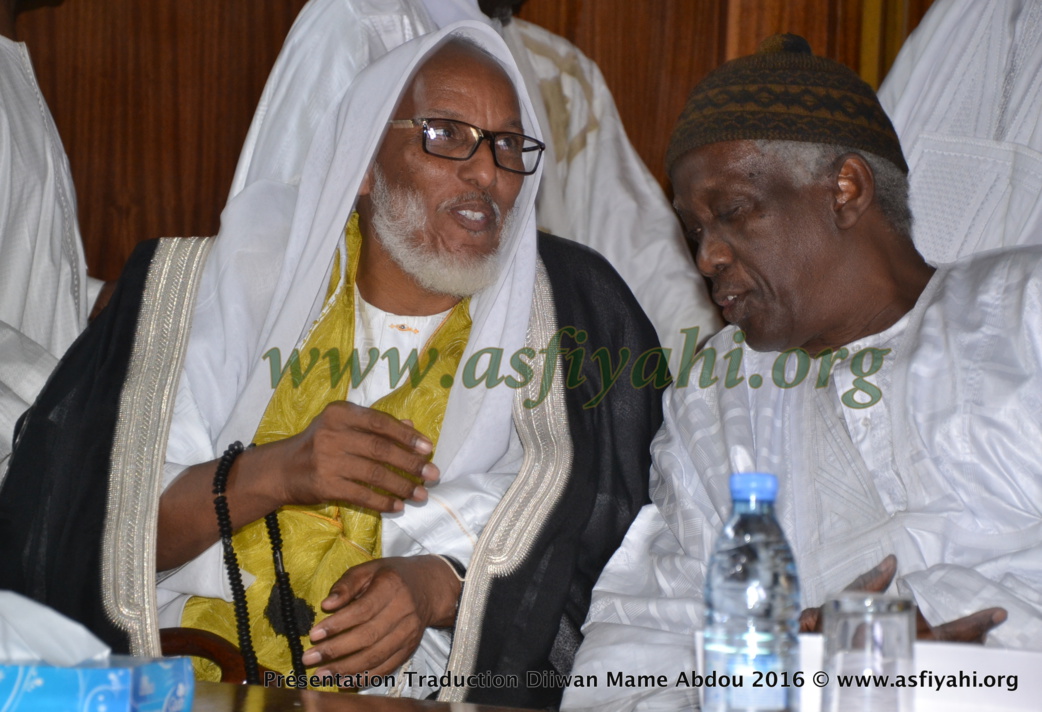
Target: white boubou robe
{"x": 263, "y": 284}
{"x": 942, "y": 468}
{"x": 43, "y": 275}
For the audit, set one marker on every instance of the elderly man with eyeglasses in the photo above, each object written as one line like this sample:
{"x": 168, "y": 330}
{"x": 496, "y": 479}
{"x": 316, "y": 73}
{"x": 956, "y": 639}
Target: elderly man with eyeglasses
{"x": 451, "y": 413}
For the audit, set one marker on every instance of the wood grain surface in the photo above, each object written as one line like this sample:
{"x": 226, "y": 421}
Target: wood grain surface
{"x": 153, "y": 98}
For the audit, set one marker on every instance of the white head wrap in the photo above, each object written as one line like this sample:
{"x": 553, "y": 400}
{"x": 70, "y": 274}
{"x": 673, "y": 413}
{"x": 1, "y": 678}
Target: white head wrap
{"x": 269, "y": 265}
{"x": 330, "y": 42}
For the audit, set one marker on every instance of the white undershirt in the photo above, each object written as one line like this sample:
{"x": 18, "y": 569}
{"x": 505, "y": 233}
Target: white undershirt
{"x": 387, "y": 332}
{"x": 390, "y": 334}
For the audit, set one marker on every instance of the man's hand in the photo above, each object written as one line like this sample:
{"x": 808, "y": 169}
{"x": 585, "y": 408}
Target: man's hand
{"x": 970, "y": 629}
{"x": 346, "y": 449}
{"x": 875, "y": 580}
{"x": 380, "y": 611}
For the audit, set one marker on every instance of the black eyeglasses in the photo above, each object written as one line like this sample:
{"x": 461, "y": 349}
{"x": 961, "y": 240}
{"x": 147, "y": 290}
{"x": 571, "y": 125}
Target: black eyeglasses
{"x": 458, "y": 141}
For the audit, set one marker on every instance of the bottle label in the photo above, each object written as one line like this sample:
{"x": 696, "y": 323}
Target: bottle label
{"x": 756, "y": 684}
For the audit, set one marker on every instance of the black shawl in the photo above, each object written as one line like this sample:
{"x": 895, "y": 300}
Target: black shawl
{"x": 53, "y": 500}
{"x": 533, "y": 617}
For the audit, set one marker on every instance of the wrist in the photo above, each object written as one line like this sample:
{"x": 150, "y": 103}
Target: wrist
{"x": 254, "y": 485}
{"x": 454, "y": 574}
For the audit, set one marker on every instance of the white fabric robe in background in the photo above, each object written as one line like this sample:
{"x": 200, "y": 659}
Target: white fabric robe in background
{"x": 43, "y": 280}
{"x": 594, "y": 189}
{"x": 944, "y": 470}
{"x": 965, "y": 95}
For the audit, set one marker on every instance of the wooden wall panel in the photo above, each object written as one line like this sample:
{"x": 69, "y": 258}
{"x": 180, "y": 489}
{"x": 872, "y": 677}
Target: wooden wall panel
{"x": 153, "y": 100}
{"x": 749, "y": 21}
{"x": 153, "y": 97}
{"x": 866, "y": 35}
{"x": 885, "y": 25}
{"x": 651, "y": 57}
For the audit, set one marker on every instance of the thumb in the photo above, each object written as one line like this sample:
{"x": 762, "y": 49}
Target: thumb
{"x": 877, "y": 579}
{"x": 971, "y": 629}
{"x": 354, "y": 581}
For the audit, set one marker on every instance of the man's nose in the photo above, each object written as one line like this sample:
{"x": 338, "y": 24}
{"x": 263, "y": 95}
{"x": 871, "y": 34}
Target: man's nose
{"x": 480, "y": 169}
{"x": 713, "y": 256}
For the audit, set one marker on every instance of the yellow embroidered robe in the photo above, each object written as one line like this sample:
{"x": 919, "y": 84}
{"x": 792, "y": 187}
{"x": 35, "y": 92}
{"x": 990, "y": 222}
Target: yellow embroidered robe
{"x": 320, "y": 542}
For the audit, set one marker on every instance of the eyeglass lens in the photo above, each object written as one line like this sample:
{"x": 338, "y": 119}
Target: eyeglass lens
{"x": 455, "y": 139}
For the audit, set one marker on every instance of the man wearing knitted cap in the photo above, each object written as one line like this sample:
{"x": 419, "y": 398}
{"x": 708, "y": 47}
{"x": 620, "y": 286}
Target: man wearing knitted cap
{"x": 897, "y": 403}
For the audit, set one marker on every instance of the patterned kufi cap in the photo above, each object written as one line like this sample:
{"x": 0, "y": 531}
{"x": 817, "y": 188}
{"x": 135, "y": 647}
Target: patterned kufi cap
{"x": 785, "y": 93}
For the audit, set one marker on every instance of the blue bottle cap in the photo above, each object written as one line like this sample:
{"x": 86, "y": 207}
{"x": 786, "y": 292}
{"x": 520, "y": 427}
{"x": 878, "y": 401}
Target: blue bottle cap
{"x": 754, "y": 485}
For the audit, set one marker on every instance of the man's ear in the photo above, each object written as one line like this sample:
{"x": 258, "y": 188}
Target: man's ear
{"x": 854, "y": 189}
{"x": 367, "y": 183}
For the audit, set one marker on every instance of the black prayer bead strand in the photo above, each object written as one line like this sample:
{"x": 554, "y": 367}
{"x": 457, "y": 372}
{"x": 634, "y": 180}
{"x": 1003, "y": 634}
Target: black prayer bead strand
{"x": 231, "y": 562}
{"x": 286, "y": 597}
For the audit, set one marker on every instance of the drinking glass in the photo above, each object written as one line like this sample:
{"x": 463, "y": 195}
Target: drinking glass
{"x": 869, "y": 640}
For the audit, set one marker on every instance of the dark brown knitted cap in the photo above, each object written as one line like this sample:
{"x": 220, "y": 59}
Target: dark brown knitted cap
{"x": 785, "y": 93}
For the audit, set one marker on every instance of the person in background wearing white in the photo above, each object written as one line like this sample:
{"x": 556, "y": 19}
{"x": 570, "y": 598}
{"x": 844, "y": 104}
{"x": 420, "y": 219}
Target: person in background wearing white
{"x": 965, "y": 96}
{"x": 45, "y": 294}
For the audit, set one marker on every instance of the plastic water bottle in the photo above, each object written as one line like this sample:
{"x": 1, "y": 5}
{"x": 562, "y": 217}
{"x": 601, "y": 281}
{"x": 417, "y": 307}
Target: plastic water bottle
{"x": 752, "y": 607}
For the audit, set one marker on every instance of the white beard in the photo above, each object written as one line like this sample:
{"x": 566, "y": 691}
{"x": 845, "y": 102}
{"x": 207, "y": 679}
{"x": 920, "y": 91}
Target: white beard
{"x": 399, "y": 216}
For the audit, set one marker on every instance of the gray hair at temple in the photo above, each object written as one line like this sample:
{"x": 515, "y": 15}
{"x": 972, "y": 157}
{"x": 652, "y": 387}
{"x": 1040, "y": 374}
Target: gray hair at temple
{"x": 810, "y": 162}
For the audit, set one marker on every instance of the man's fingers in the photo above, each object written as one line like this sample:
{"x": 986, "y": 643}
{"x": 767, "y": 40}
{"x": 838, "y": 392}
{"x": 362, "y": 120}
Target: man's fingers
{"x": 374, "y": 626}
{"x": 366, "y": 647}
{"x": 367, "y": 473}
{"x": 348, "y": 587}
{"x": 345, "y": 641}
{"x": 971, "y": 629}
{"x": 395, "y": 661}
{"x": 374, "y": 421}
{"x": 380, "y": 449}
{"x": 349, "y": 445}
{"x": 346, "y": 452}
{"x": 361, "y": 495}
{"x": 810, "y": 620}
{"x": 387, "y": 655}
{"x": 383, "y": 658}
{"x": 877, "y": 579}
{"x": 369, "y": 588}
